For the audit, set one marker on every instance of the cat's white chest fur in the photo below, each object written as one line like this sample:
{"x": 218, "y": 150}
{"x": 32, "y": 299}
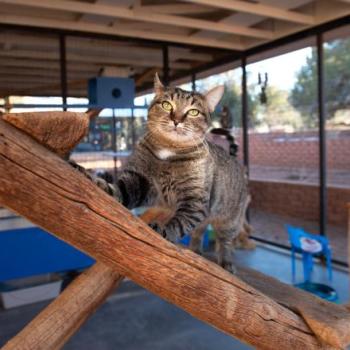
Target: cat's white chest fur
{"x": 165, "y": 153}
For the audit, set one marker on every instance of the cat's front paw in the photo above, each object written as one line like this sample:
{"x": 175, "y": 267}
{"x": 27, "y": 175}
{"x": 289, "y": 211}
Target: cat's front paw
{"x": 155, "y": 227}
{"x": 229, "y": 266}
{"x": 80, "y": 168}
{"x": 110, "y": 189}
{"x": 164, "y": 232}
{"x": 170, "y": 234}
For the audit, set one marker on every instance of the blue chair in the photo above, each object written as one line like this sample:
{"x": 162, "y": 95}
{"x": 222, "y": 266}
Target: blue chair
{"x": 296, "y": 236}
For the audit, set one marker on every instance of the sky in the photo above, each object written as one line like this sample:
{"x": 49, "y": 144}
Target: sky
{"x": 282, "y": 69}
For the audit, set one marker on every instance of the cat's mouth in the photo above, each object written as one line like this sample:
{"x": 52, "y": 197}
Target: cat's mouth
{"x": 177, "y": 132}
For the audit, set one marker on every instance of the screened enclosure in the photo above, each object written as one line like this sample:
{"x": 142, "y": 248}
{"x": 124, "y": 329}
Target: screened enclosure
{"x": 287, "y": 101}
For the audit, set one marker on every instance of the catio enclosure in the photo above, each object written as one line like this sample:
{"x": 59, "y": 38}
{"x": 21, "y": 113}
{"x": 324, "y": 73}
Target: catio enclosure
{"x": 285, "y": 66}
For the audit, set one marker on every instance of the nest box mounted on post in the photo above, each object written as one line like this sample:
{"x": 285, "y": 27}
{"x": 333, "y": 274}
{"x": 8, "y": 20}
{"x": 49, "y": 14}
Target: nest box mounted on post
{"x": 112, "y": 92}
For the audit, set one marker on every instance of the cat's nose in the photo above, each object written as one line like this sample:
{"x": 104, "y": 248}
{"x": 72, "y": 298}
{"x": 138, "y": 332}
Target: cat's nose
{"x": 176, "y": 122}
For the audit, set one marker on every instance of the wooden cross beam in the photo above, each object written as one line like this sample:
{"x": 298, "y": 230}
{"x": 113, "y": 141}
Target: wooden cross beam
{"x": 42, "y": 187}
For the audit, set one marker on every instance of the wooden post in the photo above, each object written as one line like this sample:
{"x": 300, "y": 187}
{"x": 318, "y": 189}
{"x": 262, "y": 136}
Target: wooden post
{"x": 42, "y": 187}
{"x": 52, "y": 328}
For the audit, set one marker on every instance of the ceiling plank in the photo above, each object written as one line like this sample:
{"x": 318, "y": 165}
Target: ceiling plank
{"x": 146, "y": 75}
{"x": 259, "y": 9}
{"x": 113, "y": 11}
{"x": 177, "y": 9}
{"x": 96, "y": 59}
{"x": 102, "y": 47}
{"x": 44, "y": 64}
{"x": 117, "y": 31}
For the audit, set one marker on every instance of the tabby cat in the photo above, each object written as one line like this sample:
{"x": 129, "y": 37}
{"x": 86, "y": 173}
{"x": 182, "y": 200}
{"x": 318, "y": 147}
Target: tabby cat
{"x": 174, "y": 167}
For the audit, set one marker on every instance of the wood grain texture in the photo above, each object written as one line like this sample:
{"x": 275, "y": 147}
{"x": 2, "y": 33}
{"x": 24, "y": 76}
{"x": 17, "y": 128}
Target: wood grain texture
{"x": 43, "y": 188}
{"x": 53, "y": 327}
{"x": 63, "y": 317}
{"x": 330, "y": 322}
{"x": 59, "y": 131}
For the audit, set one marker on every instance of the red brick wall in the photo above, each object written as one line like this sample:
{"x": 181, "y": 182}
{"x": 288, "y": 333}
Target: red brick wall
{"x": 300, "y": 149}
{"x": 299, "y": 200}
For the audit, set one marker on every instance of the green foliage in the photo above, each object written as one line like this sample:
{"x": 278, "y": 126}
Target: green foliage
{"x": 337, "y": 82}
{"x": 232, "y": 98}
{"x": 277, "y": 113}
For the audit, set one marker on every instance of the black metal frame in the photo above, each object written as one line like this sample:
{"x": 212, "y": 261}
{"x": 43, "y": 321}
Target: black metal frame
{"x": 316, "y": 31}
{"x": 63, "y": 69}
{"x": 322, "y": 136}
{"x": 165, "y": 65}
{"x": 245, "y": 116}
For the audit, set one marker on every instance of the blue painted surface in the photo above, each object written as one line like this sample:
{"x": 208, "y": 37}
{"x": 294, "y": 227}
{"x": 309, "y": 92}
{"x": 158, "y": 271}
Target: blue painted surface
{"x": 205, "y": 240}
{"x": 112, "y": 92}
{"x": 32, "y": 251}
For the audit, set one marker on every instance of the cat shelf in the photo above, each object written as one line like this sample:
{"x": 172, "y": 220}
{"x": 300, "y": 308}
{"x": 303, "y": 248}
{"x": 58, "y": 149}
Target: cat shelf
{"x": 42, "y": 187}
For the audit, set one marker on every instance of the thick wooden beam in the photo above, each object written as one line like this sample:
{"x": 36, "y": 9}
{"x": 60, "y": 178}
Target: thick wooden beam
{"x": 58, "y": 131}
{"x": 62, "y": 201}
{"x": 325, "y": 320}
{"x": 51, "y": 329}
{"x": 118, "y": 31}
{"x": 259, "y": 9}
{"x": 113, "y": 11}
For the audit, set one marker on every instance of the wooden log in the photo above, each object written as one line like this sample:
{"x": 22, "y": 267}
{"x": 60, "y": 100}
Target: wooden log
{"x": 324, "y": 319}
{"x": 53, "y": 327}
{"x": 59, "y": 131}
{"x": 63, "y": 317}
{"x": 42, "y": 187}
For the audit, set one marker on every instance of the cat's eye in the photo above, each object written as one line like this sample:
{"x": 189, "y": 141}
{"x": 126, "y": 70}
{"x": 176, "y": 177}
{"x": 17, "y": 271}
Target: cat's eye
{"x": 193, "y": 112}
{"x": 167, "y": 106}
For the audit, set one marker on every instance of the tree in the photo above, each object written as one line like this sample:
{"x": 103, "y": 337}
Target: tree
{"x": 337, "y": 82}
{"x": 278, "y": 113}
{"x": 232, "y": 99}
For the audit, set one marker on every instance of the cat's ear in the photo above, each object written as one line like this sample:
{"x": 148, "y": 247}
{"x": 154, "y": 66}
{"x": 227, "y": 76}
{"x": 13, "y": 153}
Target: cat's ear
{"x": 158, "y": 86}
{"x": 213, "y": 96}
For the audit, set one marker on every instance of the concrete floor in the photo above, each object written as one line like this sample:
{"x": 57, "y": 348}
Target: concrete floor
{"x": 133, "y": 318}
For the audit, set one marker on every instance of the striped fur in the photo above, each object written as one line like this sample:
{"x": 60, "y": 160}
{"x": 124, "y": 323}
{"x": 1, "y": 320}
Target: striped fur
{"x": 175, "y": 168}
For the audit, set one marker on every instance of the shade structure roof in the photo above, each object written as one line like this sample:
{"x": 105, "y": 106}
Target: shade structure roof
{"x": 127, "y": 37}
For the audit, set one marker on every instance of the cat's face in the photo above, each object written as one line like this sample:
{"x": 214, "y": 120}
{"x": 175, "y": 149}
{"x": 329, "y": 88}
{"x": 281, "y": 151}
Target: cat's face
{"x": 180, "y": 116}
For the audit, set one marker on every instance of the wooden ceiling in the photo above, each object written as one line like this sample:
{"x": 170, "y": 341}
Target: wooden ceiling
{"x": 125, "y": 37}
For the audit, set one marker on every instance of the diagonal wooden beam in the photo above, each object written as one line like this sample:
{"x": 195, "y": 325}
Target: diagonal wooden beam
{"x": 259, "y": 9}
{"x": 117, "y": 31}
{"x": 141, "y": 15}
{"x": 94, "y": 222}
{"x": 55, "y": 325}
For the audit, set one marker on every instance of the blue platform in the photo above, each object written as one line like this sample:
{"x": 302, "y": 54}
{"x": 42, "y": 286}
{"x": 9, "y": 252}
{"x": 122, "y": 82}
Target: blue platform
{"x": 32, "y": 251}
